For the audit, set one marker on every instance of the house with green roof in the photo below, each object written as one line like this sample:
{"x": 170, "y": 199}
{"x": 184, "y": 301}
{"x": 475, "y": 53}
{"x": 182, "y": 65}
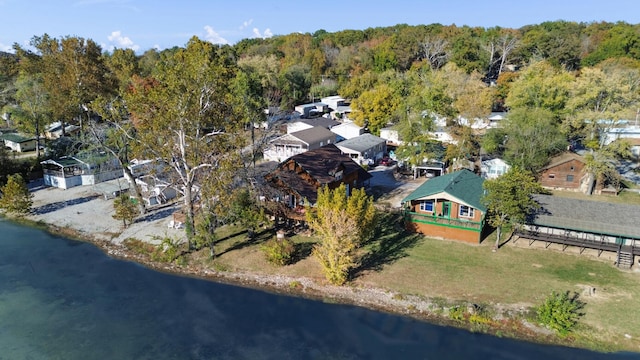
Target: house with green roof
{"x": 448, "y": 207}
{"x": 18, "y": 142}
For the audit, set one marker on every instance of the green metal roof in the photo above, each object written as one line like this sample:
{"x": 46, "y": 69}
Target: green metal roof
{"x": 463, "y": 185}
{"x": 16, "y": 138}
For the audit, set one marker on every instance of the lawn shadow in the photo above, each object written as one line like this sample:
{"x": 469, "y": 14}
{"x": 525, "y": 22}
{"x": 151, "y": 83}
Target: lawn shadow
{"x": 45, "y": 209}
{"x": 157, "y": 214}
{"x": 302, "y": 251}
{"x": 257, "y": 238}
{"x": 389, "y": 243}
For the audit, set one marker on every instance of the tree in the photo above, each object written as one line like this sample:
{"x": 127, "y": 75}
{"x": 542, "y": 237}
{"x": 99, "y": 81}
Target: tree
{"x": 509, "y": 200}
{"x": 15, "y": 197}
{"x": 32, "y": 100}
{"x": 532, "y": 136}
{"x": 373, "y": 108}
{"x": 343, "y": 223}
{"x": 125, "y": 209}
{"x": 184, "y": 118}
{"x": 540, "y": 85}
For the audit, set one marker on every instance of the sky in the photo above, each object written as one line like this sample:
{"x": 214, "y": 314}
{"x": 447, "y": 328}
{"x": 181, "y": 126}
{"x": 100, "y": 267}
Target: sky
{"x": 161, "y": 24}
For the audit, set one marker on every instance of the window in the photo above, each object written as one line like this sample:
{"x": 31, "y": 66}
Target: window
{"x": 426, "y": 205}
{"x": 552, "y": 176}
{"x": 569, "y": 178}
{"x": 572, "y": 168}
{"x": 466, "y": 211}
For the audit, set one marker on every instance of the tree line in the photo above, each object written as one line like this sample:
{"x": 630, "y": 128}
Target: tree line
{"x": 189, "y": 106}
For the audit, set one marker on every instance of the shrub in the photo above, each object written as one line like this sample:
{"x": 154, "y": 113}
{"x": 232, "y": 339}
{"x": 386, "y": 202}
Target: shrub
{"x": 457, "y": 313}
{"x": 167, "y": 251}
{"x": 560, "y": 311}
{"x": 278, "y": 251}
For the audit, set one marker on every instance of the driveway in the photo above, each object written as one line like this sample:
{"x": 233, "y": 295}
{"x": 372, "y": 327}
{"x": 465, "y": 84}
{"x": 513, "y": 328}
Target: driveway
{"x": 388, "y": 188}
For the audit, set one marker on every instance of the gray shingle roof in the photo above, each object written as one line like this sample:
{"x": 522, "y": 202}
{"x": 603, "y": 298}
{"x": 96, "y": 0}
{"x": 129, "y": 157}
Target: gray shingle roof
{"x": 587, "y": 215}
{"x": 362, "y": 143}
{"x": 314, "y": 135}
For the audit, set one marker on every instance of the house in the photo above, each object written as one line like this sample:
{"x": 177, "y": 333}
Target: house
{"x": 311, "y": 110}
{"x": 364, "y": 149}
{"x": 338, "y": 106}
{"x": 390, "y": 134}
{"x": 493, "y": 168}
{"x": 496, "y": 119}
{"x": 448, "y": 207}
{"x": 347, "y": 130}
{"x": 155, "y": 191}
{"x": 610, "y": 135}
{"x": 19, "y": 143}
{"x": 596, "y": 225}
{"x": 298, "y": 142}
{"x": 54, "y": 130}
{"x": 296, "y": 180}
{"x": 69, "y": 171}
{"x": 565, "y": 172}
{"x": 304, "y": 124}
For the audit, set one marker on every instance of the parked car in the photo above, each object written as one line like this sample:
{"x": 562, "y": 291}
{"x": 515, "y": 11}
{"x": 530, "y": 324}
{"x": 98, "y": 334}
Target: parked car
{"x": 387, "y": 161}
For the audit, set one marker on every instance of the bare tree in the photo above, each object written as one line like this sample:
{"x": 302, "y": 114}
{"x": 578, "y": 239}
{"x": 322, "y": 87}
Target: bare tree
{"x": 435, "y": 51}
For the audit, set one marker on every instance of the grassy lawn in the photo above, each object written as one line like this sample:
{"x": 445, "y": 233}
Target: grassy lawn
{"x": 437, "y": 269}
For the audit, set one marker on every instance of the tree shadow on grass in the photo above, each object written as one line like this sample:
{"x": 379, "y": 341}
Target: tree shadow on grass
{"x": 257, "y": 238}
{"x": 389, "y": 244}
{"x": 302, "y": 251}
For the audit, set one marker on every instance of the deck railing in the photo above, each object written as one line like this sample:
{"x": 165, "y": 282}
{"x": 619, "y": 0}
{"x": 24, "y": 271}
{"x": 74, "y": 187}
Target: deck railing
{"x": 442, "y": 220}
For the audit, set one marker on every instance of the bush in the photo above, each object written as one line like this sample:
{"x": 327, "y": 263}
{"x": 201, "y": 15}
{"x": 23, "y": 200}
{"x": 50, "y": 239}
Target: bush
{"x": 278, "y": 251}
{"x": 167, "y": 251}
{"x": 560, "y": 311}
{"x": 457, "y": 313}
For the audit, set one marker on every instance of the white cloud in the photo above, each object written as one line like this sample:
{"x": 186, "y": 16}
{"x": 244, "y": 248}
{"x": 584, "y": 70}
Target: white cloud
{"x": 6, "y": 48}
{"x": 266, "y": 34}
{"x": 122, "y": 41}
{"x": 246, "y": 24}
{"x": 213, "y": 36}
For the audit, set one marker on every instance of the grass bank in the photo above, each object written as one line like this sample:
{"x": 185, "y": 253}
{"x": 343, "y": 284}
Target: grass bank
{"x": 512, "y": 280}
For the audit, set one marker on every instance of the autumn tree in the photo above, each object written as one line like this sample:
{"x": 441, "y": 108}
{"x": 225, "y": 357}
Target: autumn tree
{"x": 532, "y": 136}
{"x": 74, "y": 74}
{"x": 183, "y": 117}
{"x": 125, "y": 209}
{"x": 540, "y": 85}
{"x": 31, "y": 112}
{"x": 15, "y": 197}
{"x": 509, "y": 199}
{"x": 343, "y": 223}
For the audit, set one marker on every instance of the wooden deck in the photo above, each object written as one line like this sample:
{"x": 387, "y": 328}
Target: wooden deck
{"x": 624, "y": 251}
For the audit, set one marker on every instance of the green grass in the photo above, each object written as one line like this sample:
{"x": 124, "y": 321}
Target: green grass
{"x": 453, "y": 272}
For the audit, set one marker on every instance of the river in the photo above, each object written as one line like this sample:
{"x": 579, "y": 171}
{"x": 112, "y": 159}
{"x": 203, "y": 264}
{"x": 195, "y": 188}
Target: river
{"x": 64, "y": 299}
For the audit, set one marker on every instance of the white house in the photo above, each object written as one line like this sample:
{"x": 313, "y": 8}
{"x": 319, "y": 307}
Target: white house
{"x": 390, "y": 134}
{"x": 347, "y": 130}
{"x": 69, "y": 171}
{"x": 54, "y": 130}
{"x": 19, "y": 143}
{"x": 304, "y": 124}
{"x": 312, "y": 109}
{"x": 491, "y": 169}
{"x": 298, "y": 142}
{"x": 627, "y": 132}
{"x": 155, "y": 191}
{"x": 333, "y": 102}
{"x": 364, "y": 149}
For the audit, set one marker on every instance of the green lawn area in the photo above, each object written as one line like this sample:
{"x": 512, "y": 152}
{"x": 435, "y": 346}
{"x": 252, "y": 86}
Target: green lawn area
{"x": 437, "y": 269}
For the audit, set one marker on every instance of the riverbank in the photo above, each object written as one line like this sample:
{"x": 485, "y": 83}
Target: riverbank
{"x": 79, "y": 213}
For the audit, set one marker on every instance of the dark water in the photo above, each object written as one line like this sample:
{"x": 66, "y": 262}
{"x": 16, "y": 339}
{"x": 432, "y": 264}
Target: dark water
{"x": 62, "y": 299}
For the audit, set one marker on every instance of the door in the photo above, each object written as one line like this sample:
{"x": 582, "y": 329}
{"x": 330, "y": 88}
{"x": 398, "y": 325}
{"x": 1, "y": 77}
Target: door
{"x": 446, "y": 209}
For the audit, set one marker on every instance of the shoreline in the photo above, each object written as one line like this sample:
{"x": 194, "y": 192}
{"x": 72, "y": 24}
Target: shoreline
{"x": 81, "y": 214}
{"x": 372, "y": 298}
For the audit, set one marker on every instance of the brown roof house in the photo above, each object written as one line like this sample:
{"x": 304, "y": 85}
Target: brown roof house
{"x": 565, "y": 172}
{"x": 297, "y": 179}
{"x": 298, "y": 142}
{"x": 448, "y": 207}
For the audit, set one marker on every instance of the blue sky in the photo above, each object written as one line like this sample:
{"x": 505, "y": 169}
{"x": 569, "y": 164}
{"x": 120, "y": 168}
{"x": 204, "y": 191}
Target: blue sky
{"x": 145, "y": 24}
